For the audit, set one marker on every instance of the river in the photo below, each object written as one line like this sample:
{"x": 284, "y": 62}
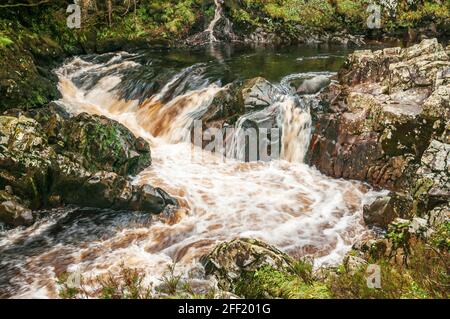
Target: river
{"x": 155, "y": 93}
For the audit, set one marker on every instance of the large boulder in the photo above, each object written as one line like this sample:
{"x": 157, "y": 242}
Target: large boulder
{"x": 374, "y": 127}
{"x": 85, "y": 160}
{"x": 230, "y": 260}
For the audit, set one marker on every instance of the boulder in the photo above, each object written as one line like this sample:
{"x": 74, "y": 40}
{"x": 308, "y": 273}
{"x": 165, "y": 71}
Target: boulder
{"x": 385, "y": 209}
{"x": 377, "y": 122}
{"x": 230, "y": 260}
{"x": 314, "y": 85}
{"x": 105, "y": 145}
{"x": 84, "y": 160}
{"x": 12, "y": 211}
{"x": 258, "y": 93}
{"x": 432, "y": 186}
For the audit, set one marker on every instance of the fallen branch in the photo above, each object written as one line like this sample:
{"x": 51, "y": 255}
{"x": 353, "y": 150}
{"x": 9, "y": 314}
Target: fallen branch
{"x": 24, "y": 4}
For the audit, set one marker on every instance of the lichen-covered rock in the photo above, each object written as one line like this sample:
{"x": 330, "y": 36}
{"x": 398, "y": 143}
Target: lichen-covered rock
{"x": 418, "y": 66}
{"x": 366, "y": 66}
{"x": 230, "y": 260}
{"x": 438, "y": 215}
{"x": 432, "y": 186}
{"x": 106, "y": 145}
{"x": 83, "y": 160}
{"x": 378, "y": 122}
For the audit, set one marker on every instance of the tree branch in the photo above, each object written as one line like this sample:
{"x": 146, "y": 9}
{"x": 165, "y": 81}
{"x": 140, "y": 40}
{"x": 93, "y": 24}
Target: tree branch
{"x": 24, "y": 4}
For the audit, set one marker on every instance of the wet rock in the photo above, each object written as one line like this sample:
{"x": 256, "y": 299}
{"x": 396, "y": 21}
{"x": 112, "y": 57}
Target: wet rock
{"x": 111, "y": 191}
{"x": 12, "y": 211}
{"x": 314, "y": 85}
{"x": 14, "y": 214}
{"x": 226, "y": 106}
{"x": 229, "y": 260}
{"x": 105, "y": 145}
{"x": 385, "y": 209}
{"x": 378, "y": 121}
{"x": 83, "y": 160}
{"x": 258, "y": 93}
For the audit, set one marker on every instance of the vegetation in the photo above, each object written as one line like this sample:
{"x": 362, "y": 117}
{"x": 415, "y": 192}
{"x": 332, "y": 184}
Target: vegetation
{"x": 334, "y": 15}
{"x": 426, "y": 274}
{"x": 129, "y": 283}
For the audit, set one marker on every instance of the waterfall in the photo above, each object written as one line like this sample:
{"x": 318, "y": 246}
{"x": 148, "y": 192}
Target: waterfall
{"x": 218, "y": 15}
{"x": 282, "y": 202}
{"x": 296, "y": 124}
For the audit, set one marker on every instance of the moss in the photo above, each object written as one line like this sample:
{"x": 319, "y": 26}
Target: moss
{"x": 5, "y": 41}
{"x": 267, "y": 282}
{"x": 441, "y": 237}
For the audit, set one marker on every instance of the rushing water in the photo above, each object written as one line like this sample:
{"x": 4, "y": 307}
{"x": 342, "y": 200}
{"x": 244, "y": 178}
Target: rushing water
{"x": 283, "y": 202}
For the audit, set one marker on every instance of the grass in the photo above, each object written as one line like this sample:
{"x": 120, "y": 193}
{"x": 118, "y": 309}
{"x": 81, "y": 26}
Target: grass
{"x": 129, "y": 283}
{"x": 5, "y": 41}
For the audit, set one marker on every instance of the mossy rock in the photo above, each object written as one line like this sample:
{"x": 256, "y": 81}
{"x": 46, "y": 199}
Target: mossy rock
{"x": 106, "y": 145}
{"x": 229, "y": 260}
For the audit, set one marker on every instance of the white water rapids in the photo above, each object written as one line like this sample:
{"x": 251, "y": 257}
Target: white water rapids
{"x": 283, "y": 202}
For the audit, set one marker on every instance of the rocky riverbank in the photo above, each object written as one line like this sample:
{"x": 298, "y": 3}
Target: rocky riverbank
{"x": 386, "y": 122}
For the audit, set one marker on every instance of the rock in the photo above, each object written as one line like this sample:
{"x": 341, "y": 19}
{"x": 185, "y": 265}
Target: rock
{"x": 251, "y": 104}
{"x": 105, "y": 145}
{"x": 109, "y": 190}
{"x": 439, "y": 215}
{"x": 229, "y": 260}
{"x": 437, "y": 105}
{"x": 226, "y": 106}
{"x": 387, "y": 208}
{"x": 12, "y": 211}
{"x": 26, "y": 80}
{"x": 377, "y": 122}
{"x": 83, "y": 160}
{"x": 419, "y": 66}
{"x": 432, "y": 186}
{"x": 258, "y": 93}
{"x": 314, "y": 85}
{"x": 364, "y": 66}
{"x": 14, "y": 214}
{"x": 354, "y": 263}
